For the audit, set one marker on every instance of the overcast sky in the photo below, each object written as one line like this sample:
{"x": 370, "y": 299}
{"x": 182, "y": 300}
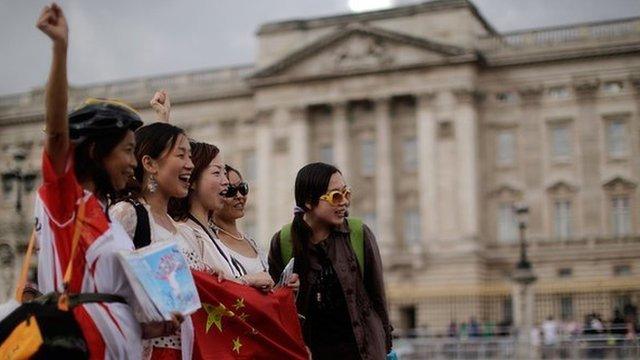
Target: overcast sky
{"x": 119, "y": 39}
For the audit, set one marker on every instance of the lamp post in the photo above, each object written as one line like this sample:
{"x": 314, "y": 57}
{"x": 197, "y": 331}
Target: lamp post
{"x": 523, "y": 297}
{"x": 25, "y": 182}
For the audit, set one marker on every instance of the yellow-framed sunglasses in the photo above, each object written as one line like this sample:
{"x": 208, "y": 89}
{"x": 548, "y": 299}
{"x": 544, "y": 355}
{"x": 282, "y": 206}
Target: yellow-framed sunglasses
{"x": 335, "y": 197}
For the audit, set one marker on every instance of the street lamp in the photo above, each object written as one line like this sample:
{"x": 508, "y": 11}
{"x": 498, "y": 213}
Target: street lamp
{"x": 522, "y": 217}
{"x": 523, "y": 296}
{"x": 22, "y": 179}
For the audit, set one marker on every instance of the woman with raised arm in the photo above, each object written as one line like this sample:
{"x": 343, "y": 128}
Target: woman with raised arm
{"x": 88, "y": 157}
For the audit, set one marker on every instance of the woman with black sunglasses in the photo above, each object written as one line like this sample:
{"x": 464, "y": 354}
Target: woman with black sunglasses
{"x": 248, "y": 256}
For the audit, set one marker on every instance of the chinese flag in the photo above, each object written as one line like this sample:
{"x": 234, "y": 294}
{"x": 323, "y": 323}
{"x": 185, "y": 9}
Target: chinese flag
{"x": 240, "y": 322}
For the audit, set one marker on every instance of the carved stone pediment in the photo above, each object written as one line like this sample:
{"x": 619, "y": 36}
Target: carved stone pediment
{"x": 362, "y": 48}
{"x": 619, "y": 183}
{"x": 561, "y": 187}
{"x": 505, "y": 190}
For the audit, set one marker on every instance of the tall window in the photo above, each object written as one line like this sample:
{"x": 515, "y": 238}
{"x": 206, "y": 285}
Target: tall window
{"x": 617, "y": 138}
{"x": 506, "y": 148}
{"x": 566, "y": 307}
{"x": 250, "y": 166}
{"x": 410, "y": 154}
{"x": 561, "y": 142}
{"x": 326, "y": 154}
{"x": 412, "y": 235}
{"x": 368, "y": 152}
{"x": 507, "y": 223}
{"x": 562, "y": 218}
{"x": 621, "y": 215}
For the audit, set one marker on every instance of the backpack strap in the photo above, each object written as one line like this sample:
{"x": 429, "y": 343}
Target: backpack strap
{"x": 356, "y": 238}
{"x": 142, "y": 235}
{"x": 286, "y": 247}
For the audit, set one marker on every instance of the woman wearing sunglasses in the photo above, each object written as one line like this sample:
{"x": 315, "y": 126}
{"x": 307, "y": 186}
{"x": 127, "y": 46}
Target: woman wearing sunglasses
{"x": 249, "y": 260}
{"x": 341, "y": 288}
{"x": 207, "y": 194}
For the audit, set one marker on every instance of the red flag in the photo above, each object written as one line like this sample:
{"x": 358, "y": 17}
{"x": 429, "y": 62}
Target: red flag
{"x": 240, "y": 322}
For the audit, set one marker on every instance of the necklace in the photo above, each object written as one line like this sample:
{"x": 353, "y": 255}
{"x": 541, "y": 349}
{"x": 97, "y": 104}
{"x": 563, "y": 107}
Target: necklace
{"x": 234, "y": 237}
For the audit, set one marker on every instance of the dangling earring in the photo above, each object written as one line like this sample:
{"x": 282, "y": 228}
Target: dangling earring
{"x": 153, "y": 184}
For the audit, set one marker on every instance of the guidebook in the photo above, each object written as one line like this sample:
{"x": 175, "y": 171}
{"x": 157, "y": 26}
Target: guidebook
{"x": 161, "y": 280}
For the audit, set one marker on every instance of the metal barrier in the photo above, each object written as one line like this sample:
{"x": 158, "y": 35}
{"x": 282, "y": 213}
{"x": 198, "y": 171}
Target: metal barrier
{"x": 604, "y": 346}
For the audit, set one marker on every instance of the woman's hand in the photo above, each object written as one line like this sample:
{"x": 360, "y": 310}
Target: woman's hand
{"x": 294, "y": 282}
{"x": 261, "y": 281}
{"x": 161, "y": 105}
{"x": 53, "y": 23}
{"x": 162, "y": 328}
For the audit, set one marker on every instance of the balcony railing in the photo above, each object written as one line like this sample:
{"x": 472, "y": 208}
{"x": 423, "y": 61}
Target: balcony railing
{"x": 192, "y": 84}
{"x": 603, "y": 31}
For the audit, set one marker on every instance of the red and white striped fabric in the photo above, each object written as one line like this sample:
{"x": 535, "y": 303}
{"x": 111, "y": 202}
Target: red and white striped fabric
{"x": 111, "y": 330}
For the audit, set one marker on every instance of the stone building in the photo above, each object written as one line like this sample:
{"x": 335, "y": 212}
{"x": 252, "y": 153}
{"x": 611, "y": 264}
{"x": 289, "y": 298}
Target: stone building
{"x": 440, "y": 125}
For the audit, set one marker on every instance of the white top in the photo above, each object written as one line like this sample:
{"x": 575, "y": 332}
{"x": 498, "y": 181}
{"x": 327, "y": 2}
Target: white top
{"x": 549, "y": 332}
{"x": 250, "y": 265}
{"x": 125, "y": 213}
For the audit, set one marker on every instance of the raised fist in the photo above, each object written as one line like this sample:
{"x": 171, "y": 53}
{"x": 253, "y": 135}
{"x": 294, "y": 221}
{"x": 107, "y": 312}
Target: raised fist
{"x": 161, "y": 105}
{"x": 53, "y": 23}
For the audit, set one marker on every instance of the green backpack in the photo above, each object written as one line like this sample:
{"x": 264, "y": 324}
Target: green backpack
{"x": 356, "y": 238}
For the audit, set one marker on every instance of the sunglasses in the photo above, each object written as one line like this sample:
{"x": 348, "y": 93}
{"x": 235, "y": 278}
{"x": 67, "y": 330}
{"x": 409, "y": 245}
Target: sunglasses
{"x": 335, "y": 197}
{"x": 233, "y": 190}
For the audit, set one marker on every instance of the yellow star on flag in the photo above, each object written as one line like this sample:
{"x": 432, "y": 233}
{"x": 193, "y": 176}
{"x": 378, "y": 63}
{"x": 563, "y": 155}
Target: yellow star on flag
{"x": 243, "y": 316}
{"x": 214, "y": 315}
{"x": 237, "y": 345}
{"x": 239, "y": 304}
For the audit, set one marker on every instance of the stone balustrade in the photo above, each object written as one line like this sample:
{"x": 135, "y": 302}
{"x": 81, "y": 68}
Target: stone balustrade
{"x": 601, "y": 31}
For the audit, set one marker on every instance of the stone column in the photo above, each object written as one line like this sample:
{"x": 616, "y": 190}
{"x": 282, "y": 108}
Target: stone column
{"x": 385, "y": 204}
{"x": 530, "y": 153}
{"x": 427, "y": 174}
{"x": 523, "y": 310}
{"x": 589, "y": 155}
{"x": 467, "y": 137}
{"x": 299, "y": 139}
{"x": 341, "y": 138}
{"x": 264, "y": 148}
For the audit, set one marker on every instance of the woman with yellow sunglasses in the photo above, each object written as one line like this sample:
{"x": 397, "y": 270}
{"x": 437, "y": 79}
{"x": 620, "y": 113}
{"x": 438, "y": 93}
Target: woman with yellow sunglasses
{"x": 341, "y": 292}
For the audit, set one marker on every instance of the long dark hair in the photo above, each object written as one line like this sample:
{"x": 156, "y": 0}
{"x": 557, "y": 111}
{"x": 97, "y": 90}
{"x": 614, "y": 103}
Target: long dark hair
{"x": 89, "y": 158}
{"x": 201, "y": 154}
{"x": 151, "y": 140}
{"x": 312, "y": 182}
{"x": 228, "y": 169}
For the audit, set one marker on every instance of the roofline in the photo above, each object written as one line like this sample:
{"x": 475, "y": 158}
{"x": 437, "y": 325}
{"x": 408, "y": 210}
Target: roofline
{"x": 400, "y": 11}
{"x": 570, "y": 25}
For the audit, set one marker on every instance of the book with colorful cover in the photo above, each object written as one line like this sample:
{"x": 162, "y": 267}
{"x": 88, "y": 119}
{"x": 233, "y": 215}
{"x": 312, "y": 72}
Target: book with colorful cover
{"x": 161, "y": 280}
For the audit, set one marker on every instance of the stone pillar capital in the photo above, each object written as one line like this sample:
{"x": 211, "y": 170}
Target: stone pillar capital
{"x": 297, "y": 111}
{"x": 635, "y": 81}
{"x": 379, "y": 100}
{"x": 426, "y": 98}
{"x": 531, "y": 93}
{"x": 467, "y": 95}
{"x": 264, "y": 116}
{"x": 586, "y": 87}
